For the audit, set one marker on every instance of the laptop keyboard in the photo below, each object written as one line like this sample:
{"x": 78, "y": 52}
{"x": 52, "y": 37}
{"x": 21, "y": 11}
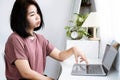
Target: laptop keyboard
{"x": 79, "y": 69}
{"x": 94, "y": 69}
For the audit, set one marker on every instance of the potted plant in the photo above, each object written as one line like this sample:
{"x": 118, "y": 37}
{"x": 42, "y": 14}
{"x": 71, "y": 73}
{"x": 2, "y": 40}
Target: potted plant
{"x": 75, "y": 31}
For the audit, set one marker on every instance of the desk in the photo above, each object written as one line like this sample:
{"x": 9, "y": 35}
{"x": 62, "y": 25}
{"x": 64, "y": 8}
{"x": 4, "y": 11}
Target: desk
{"x": 67, "y": 68}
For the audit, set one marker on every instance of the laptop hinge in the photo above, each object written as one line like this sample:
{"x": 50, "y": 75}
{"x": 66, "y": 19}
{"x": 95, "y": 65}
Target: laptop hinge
{"x": 105, "y": 69}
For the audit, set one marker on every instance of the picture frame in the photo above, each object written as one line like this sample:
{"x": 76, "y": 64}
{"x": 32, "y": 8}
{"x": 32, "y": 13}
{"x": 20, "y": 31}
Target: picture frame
{"x": 93, "y": 32}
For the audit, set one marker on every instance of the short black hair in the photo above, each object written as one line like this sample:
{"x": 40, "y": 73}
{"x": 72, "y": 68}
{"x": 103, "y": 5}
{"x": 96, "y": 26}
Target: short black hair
{"x": 18, "y": 17}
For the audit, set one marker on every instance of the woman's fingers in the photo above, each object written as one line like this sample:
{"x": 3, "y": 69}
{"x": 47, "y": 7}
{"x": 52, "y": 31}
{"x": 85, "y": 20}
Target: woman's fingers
{"x": 78, "y": 53}
{"x": 76, "y": 58}
{"x": 83, "y": 59}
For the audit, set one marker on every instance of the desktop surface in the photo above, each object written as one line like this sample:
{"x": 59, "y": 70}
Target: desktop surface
{"x": 67, "y": 68}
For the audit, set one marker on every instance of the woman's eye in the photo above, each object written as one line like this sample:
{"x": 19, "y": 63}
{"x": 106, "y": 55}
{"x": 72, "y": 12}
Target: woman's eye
{"x": 32, "y": 14}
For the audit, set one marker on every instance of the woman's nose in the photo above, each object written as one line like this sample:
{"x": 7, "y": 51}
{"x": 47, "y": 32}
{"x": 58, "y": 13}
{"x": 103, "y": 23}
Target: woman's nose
{"x": 37, "y": 17}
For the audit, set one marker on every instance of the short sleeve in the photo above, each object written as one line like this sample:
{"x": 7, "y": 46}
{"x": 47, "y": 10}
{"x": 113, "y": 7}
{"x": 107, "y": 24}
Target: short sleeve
{"x": 49, "y": 47}
{"x": 15, "y": 49}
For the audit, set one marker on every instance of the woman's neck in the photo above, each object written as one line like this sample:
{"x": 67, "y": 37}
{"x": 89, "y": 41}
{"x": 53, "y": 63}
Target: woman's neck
{"x": 31, "y": 31}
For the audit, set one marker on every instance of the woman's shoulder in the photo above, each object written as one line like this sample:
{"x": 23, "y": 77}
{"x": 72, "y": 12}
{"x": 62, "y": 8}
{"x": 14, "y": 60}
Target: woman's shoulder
{"x": 14, "y": 36}
{"x": 39, "y": 36}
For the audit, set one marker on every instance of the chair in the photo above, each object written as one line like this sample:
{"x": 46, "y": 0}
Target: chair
{"x": 53, "y": 68}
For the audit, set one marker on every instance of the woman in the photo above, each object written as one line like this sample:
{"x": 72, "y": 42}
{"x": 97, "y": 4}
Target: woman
{"x": 25, "y": 50}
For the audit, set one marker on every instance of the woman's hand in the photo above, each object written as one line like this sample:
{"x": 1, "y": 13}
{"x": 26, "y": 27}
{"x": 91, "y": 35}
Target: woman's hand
{"x": 77, "y": 53}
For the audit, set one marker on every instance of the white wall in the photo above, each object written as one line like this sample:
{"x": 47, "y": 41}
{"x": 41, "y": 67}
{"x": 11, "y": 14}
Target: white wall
{"x": 108, "y": 14}
{"x": 5, "y": 8}
{"x": 116, "y": 19}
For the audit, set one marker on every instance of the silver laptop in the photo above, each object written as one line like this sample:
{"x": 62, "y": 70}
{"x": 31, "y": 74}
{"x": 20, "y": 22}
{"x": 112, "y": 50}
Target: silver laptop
{"x": 97, "y": 69}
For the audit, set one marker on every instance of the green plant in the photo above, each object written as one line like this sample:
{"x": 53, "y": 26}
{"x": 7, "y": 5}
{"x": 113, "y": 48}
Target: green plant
{"x": 76, "y": 24}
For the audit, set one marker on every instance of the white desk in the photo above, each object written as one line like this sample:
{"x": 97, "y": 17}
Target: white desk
{"x": 67, "y": 68}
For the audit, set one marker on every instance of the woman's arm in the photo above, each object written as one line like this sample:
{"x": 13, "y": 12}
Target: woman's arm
{"x": 27, "y": 73}
{"x": 62, "y": 55}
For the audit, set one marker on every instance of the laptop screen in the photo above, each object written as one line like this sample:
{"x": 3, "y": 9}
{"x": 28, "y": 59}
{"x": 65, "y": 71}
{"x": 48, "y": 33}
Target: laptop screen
{"x": 109, "y": 56}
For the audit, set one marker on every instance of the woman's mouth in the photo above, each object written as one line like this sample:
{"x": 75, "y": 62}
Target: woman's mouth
{"x": 38, "y": 23}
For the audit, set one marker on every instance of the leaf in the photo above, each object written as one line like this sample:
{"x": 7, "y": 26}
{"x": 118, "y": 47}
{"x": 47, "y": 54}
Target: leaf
{"x": 68, "y": 33}
{"x": 67, "y": 28}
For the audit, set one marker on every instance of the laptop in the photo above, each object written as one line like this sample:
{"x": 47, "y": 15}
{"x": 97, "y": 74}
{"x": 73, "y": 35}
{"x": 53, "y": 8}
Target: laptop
{"x": 97, "y": 69}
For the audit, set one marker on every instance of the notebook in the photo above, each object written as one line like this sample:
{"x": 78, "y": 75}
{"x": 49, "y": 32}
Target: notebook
{"x": 97, "y": 69}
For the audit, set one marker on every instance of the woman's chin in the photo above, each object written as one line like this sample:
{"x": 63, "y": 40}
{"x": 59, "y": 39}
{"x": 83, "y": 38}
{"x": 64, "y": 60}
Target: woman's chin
{"x": 37, "y": 25}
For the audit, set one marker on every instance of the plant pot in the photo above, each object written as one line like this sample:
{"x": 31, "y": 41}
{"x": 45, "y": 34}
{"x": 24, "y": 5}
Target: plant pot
{"x": 76, "y": 35}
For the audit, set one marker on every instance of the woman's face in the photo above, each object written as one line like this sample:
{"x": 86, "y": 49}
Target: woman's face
{"x": 33, "y": 17}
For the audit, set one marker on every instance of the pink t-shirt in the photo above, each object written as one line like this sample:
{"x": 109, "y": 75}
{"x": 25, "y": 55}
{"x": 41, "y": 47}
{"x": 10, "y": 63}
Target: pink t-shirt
{"x": 34, "y": 50}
